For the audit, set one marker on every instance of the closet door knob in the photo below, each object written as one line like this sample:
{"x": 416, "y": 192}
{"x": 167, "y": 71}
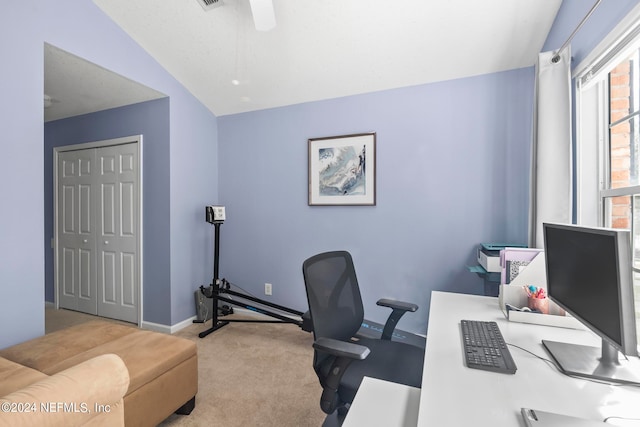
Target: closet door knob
{"x": 106, "y": 242}
{"x": 85, "y": 241}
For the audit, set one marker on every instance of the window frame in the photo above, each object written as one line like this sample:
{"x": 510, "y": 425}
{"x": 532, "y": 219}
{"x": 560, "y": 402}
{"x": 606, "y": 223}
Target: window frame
{"x": 592, "y": 141}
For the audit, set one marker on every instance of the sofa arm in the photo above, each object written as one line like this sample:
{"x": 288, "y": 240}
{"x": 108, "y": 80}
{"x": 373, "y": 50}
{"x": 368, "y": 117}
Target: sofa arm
{"x": 89, "y": 393}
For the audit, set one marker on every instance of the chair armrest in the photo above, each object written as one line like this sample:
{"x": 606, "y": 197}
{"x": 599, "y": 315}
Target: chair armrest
{"x": 344, "y": 353}
{"x": 399, "y": 309}
{"x": 401, "y": 305}
{"x": 341, "y": 348}
{"x": 93, "y": 388}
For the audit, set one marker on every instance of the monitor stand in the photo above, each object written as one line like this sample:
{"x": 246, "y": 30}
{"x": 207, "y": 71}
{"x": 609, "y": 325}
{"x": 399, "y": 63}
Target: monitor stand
{"x": 593, "y": 362}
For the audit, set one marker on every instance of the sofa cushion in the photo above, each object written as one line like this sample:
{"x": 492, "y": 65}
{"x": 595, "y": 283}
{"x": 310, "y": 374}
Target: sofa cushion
{"x": 90, "y": 393}
{"x": 146, "y": 354}
{"x": 51, "y": 349}
{"x": 14, "y": 376}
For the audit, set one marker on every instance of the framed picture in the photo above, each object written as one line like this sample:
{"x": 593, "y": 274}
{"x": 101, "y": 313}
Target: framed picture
{"x": 342, "y": 170}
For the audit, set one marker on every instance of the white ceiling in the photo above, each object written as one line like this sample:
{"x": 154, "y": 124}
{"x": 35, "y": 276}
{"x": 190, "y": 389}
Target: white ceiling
{"x": 77, "y": 86}
{"x": 322, "y": 49}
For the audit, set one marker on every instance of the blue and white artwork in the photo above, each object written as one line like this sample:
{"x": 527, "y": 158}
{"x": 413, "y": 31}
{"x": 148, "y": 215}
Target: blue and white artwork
{"x": 342, "y": 171}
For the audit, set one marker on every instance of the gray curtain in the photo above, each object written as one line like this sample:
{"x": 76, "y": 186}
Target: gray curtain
{"x": 551, "y": 164}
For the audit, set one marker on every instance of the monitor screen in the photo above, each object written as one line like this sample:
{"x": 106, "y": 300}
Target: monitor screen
{"x": 589, "y": 275}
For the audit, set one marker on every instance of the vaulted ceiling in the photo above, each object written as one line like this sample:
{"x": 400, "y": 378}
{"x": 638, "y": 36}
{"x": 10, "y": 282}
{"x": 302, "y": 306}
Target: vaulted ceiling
{"x": 323, "y": 49}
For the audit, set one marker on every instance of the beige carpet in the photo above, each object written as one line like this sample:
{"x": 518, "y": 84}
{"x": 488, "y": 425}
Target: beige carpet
{"x": 248, "y": 374}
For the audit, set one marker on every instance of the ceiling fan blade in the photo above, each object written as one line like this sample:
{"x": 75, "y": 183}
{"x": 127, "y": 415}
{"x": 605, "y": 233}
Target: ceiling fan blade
{"x": 264, "y": 16}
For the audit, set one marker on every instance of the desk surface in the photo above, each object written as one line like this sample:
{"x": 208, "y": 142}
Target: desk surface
{"x": 454, "y": 395}
{"x": 382, "y": 403}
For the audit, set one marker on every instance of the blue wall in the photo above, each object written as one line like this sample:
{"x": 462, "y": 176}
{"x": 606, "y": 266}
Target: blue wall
{"x": 151, "y": 120}
{"x": 194, "y": 184}
{"x": 21, "y": 219}
{"x": 452, "y": 171}
{"x": 81, "y": 28}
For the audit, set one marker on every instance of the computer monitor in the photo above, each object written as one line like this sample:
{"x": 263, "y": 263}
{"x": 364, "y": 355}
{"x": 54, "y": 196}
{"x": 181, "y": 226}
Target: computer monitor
{"x": 589, "y": 275}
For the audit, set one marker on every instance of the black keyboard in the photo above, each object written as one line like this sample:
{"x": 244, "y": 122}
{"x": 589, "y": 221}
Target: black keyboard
{"x": 484, "y": 347}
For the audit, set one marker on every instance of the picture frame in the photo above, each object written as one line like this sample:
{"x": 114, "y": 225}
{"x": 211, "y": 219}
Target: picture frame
{"x": 342, "y": 170}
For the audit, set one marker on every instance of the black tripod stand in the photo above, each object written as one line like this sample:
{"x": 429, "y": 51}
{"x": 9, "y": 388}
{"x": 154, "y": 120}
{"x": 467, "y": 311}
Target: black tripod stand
{"x": 222, "y": 287}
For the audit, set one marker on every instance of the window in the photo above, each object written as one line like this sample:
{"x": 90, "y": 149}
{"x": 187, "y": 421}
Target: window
{"x": 608, "y": 143}
{"x": 620, "y": 185}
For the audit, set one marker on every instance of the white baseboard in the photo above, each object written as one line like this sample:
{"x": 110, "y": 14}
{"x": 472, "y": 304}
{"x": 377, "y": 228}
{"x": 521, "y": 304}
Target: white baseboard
{"x": 156, "y": 327}
{"x": 187, "y": 322}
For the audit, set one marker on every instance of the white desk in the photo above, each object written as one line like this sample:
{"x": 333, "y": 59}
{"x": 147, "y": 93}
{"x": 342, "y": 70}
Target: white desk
{"x": 454, "y": 395}
{"x": 371, "y": 405}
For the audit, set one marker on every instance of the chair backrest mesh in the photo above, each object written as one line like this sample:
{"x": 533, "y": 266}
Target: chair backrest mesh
{"x": 333, "y": 295}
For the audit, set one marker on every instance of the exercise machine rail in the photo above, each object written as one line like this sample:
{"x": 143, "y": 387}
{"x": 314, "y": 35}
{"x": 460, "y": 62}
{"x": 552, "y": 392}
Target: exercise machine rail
{"x": 222, "y": 287}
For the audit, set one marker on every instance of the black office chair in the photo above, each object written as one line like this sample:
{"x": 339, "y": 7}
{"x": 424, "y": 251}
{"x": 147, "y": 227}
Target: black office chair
{"x": 336, "y": 312}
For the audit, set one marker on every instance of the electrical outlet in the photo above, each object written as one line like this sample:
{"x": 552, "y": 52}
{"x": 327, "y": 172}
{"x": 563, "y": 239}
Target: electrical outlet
{"x": 268, "y": 289}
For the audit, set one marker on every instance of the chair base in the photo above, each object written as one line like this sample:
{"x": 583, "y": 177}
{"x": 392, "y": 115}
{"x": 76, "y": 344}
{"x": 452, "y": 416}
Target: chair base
{"x": 337, "y": 418}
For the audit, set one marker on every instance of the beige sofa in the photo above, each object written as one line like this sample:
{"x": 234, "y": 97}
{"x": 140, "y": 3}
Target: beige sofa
{"x": 162, "y": 369}
{"x": 88, "y": 394}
